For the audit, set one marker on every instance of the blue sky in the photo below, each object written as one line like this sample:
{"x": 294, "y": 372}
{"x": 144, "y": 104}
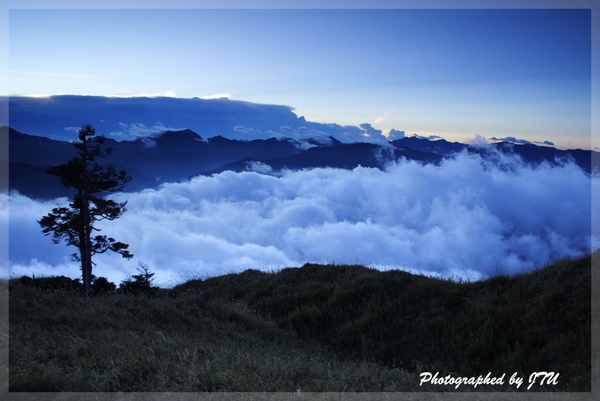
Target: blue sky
{"x": 456, "y": 73}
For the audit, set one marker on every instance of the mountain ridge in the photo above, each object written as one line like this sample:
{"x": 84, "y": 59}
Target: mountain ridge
{"x": 180, "y": 155}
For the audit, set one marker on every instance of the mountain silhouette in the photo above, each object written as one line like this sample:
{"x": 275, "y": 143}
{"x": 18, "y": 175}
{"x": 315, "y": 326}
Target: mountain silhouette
{"x": 180, "y": 155}
{"x": 173, "y": 156}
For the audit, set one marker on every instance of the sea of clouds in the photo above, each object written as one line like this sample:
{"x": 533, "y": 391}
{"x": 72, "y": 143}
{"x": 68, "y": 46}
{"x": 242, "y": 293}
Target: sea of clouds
{"x": 468, "y": 217}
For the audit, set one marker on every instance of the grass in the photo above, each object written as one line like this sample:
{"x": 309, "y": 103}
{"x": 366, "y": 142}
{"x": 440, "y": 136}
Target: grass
{"x": 539, "y": 321}
{"x": 67, "y": 342}
{"x": 309, "y": 329}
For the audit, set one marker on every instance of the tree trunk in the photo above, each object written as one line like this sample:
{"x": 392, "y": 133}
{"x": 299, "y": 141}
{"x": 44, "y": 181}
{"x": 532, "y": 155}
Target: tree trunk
{"x": 86, "y": 248}
{"x": 86, "y": 242}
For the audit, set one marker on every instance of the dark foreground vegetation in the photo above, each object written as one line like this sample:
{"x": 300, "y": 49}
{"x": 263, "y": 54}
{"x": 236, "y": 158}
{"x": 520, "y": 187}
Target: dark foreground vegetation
{"x": 314, "y": 328}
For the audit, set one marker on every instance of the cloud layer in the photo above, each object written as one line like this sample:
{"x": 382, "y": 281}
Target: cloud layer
{"x": 129, "y": 118}
{"x": 465, "y": 218}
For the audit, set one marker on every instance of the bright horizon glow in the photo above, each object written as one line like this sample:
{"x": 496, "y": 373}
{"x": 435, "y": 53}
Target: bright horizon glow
{"x": 452, "y": 73}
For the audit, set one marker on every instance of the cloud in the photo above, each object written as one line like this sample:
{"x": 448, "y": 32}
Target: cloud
{"x": 371, "y": 134}
{"x": 382, "y": 118}
{"x": 478, "y": 141}
{"x": 464, "y": 218}
{"x": 395, "y": 134}
{"x": 429, "y": 138}
{"x": 253, "y": 132}
{"x": 248, "y": 133}
{"x": 25, "y": 232}
{"x": 148, "y": 142}
{"x": 512, "y": 139}
{"x": 259, "y": 167}
{"x": 138, "y": 130}
{"x": 156, "y": 113}
{"x": 72, "y": 129}
{"x": 369, "y": 130}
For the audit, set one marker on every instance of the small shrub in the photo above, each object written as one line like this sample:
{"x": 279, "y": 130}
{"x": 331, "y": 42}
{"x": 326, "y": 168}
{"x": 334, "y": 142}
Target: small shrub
{"x": 52, "y": 283}
{"x": 139, "y": 283}
{"x": 101, "y": 286}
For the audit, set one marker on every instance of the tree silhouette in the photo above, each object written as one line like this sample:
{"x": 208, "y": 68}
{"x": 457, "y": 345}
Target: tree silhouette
{"x": 139, "y": 283}
{"x": 75, "y": 224}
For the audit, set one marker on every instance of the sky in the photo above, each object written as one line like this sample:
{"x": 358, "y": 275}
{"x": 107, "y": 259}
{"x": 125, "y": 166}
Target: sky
{"x": 456, "y": 73}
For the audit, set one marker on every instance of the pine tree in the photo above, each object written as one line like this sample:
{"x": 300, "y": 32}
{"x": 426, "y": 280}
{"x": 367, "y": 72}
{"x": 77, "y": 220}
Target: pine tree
{"x": 75, "y": 224}
{"x": 139, "y": 283}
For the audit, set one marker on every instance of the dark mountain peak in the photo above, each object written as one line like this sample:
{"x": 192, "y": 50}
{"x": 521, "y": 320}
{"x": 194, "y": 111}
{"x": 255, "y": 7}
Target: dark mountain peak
{"x": 180, "y": 136}
{"x": 220, "y": 140}
{"x": 270, "y": 140}
{"x": 37, "y": 150}
{"x": 438, "y": 146}
{"x": 409, "y": 140}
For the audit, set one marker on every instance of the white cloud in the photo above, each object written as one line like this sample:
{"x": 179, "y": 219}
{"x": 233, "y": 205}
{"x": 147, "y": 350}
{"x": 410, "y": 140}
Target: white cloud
{"x": 512, "y": 139}
{"x": 429, "y": 137}
{"x": 372, "y": 133}
{"x": 463, "y": 218}
{"x": 394, "y": 134}
{"x": 129, "y": 131}
{"x": 479, "y": 141}
{"x": 382, "y": 118}
{"x": 259, "y": 167}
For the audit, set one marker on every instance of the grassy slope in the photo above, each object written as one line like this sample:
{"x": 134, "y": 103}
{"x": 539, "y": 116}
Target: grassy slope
{"x": 63, "y": 342}
{"x": 315, "y": 328}
{"x": 531, "y": 322}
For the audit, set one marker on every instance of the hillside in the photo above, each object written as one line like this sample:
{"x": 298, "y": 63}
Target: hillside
{"x": 314, "y": 328}
{"x": 530, "y": 322}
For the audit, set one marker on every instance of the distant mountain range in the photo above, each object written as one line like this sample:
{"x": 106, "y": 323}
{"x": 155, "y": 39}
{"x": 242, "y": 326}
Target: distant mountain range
{"x": 158, "y": 140}
{"x": 181, "y": 155}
